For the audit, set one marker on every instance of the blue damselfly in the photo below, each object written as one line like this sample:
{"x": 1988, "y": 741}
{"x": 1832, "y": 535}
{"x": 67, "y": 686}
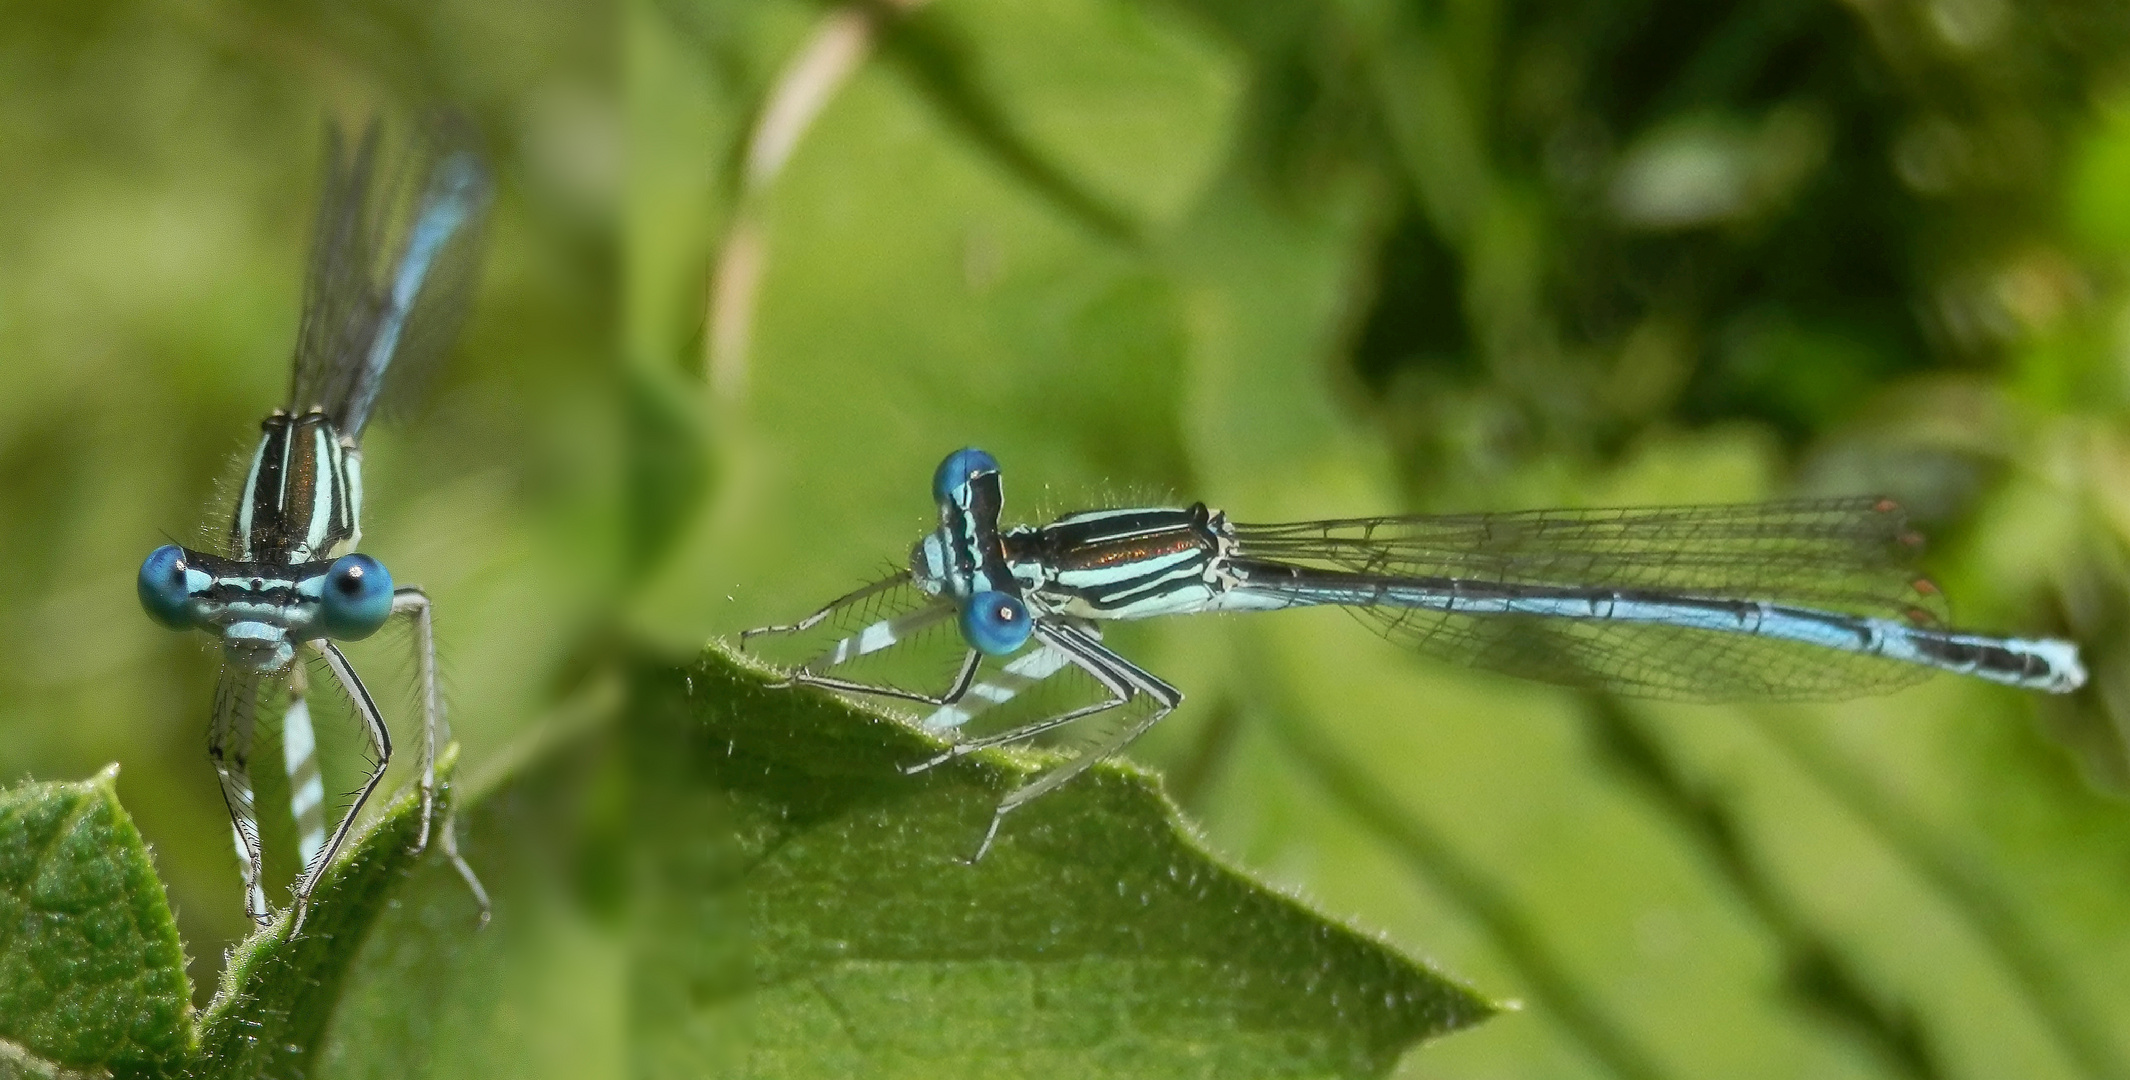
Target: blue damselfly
{"x": 1800, "y": 600}
{"x": 392, "y": 266}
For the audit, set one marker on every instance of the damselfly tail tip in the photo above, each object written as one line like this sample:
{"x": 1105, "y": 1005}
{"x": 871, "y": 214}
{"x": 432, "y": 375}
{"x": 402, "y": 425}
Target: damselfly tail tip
{"x": 2045, "y": 664}
{"x": 2066, "y": 673}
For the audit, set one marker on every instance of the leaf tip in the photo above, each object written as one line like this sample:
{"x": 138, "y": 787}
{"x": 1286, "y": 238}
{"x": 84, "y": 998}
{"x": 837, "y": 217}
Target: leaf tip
{"x": 739, "y": 656}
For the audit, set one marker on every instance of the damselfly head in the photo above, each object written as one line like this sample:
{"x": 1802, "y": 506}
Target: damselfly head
{"x": 951, "y": 480}
{"x": 963, "y": 557}
{"x": 356, "y": 597}
{"x": 995, "y": 623}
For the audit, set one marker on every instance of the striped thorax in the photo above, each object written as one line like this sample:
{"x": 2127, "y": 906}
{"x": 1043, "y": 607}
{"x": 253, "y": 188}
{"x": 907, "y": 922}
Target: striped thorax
{"x": 303, "y": 494}
{"x": 1099, "y": 564}
{"x": 1124, "y": 564}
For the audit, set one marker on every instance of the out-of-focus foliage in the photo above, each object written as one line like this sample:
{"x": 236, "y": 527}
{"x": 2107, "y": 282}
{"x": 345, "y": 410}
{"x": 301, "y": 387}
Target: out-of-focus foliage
{"x": 1311, "y": 260}
{"x": 166, "y": 168}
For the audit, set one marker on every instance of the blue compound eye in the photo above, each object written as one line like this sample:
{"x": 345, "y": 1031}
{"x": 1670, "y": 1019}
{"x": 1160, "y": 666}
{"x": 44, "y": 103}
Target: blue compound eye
{"x": 957, "y": 469}
{"x": 994, "y": 623}
{"x": 357, "y": 597}
{"x": 162, "y": 588}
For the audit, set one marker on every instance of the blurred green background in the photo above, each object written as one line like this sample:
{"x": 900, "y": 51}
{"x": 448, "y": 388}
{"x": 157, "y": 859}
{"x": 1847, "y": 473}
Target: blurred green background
{"x": 1297, "y": 260}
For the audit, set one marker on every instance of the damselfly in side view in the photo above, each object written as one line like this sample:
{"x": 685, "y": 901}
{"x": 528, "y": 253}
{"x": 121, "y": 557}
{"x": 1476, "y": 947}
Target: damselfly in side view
{"x": 1802, "y": 600}
{"x": 392, "y": 265}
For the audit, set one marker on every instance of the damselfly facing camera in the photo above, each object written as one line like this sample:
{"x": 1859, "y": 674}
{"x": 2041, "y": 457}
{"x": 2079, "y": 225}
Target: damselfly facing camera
{"x": 393, "y": 263}
{"x": 1798, "y": 600}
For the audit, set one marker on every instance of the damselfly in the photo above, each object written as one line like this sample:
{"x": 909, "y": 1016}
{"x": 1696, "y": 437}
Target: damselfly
{"x": 392, "y": 265}
{"x": 1798, "y": 600}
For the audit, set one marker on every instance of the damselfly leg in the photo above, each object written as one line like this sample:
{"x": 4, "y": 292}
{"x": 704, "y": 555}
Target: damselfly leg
{"x": 1140, "y": 698}
{"x": 380, "y": 738}
{"x": 413, "y": 604}
{"x": 869, "y": 621}
{"x": 236, "y": 700}
{"x": 1083, "y": 678}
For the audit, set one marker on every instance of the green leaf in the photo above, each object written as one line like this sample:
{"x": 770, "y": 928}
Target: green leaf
{"x": 738, "y": 880}
{"x": 92, "y": 976}
{"x": 1096, "y": 938}
{"x": 735, "y": 877}
{"x": 542, "y": 990}
{"x": 940, "y": 63}
{"x": 278, "y": 993}
{"x": 1135, "y": 105}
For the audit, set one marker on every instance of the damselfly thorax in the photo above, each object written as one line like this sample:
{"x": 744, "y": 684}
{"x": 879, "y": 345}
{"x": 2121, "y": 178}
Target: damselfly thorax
{"x": 302, "y": 496}
{"x": 1125, "y": 564}
{"x": 1801, "y": 600}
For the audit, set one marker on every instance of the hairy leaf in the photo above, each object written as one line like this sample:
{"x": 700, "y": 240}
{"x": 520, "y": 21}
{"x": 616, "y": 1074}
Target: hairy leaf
{"x": 279, "y": 992}
{"x": 1095, "y": 938}
{"x": 92, "y": 977}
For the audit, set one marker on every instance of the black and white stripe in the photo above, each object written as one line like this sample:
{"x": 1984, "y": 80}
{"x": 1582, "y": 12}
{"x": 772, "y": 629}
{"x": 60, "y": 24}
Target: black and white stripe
{"x": 301, "y": 497}
{"x": 1121, "y": 564}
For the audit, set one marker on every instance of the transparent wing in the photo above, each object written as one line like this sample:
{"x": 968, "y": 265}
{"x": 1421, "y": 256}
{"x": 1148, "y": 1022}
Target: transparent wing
{"x": 1843, "y": 556}
{"x": 999, "y": 683}
{"x": 1067, "y": 690}
{"x": 394, "y": 259}
{"x": 439, "y": 254}
{"x": 340, "y": 291}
